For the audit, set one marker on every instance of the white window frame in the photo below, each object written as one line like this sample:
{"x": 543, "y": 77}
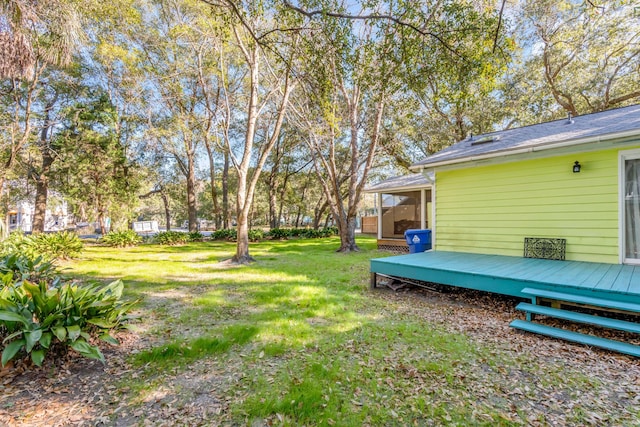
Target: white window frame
{"x": 623, "y": 156}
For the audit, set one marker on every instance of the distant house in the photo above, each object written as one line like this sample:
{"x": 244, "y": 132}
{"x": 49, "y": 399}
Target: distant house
{"x": 575, "y": 178}
{"x": 20, "y": 216}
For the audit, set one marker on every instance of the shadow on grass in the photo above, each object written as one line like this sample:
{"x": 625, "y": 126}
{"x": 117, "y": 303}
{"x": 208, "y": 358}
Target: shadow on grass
{"x": 302, "y": 338}
{"x": 302, "y": 305}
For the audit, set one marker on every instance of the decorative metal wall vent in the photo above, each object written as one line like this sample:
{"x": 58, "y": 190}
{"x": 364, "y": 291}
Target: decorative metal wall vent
{"x": 545, "y": 248}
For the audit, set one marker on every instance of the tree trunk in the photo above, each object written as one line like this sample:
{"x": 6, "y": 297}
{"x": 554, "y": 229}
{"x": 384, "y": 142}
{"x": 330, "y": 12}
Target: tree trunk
{"x": 42, "y": 188}
{"x": 103, "y": 228}
{"x": 247, "y": 182}
{"x": 167, "y": 211}
{"x": 212, "y": 179}
{"x": 303, "y": 196}
{"x": 225, "y": 192}
{"x": 274, "y": 218}
{"x": 42, "y": 180}
{"x": 318, "y": 212}
{"x": 348, "y": 235}
{"x": 242, "y": 247}
{"x": 191, "y": 195}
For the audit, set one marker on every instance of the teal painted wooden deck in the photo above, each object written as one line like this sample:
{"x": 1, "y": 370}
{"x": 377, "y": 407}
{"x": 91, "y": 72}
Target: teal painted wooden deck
{"x": 510, "y": 275}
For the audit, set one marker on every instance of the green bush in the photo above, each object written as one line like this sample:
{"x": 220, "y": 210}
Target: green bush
{"x": 255, "y": 235}
{"x": 279, "y": 233}
{"x": 16, "y": 268}
{"x": 171, "y": 238}
{"x": 121, "y": 239}
{"x": 16, "y": 242}
{"x": 225, "y": 234}
{"x": 309, "y": 233}
{"x": 312, "y": 234}
{"x": 36, "y": 319}
{"x": 61, "y": 245}
{"x": 297, "y": 232}
{"x": 195, "y": 236}
{"x": 333, "y": 231}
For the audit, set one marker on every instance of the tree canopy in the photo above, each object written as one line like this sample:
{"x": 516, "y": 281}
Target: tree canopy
{"x": 277, "y": 113}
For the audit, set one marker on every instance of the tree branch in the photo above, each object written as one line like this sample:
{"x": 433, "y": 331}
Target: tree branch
{"x": 313, "y": 13}
{"x": 495, "y": 39}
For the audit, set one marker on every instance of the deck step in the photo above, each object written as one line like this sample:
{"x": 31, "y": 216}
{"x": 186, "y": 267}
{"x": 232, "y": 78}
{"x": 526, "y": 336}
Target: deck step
{"x": 536, "y": 328}
{"x": 581, "y": 299}
{"x": 621, "y": 325}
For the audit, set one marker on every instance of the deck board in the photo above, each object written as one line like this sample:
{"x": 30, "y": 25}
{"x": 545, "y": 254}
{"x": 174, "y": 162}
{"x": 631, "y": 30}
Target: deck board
{"x": 607, "y": 280}
{"x": 509, "y": 275}
{"x": 622, "y": 282}
{"x": 634, "y": 286}
{"x": 596, "y": 275}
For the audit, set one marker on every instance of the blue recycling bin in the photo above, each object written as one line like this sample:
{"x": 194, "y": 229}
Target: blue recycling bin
{"x": 418, "y": 240}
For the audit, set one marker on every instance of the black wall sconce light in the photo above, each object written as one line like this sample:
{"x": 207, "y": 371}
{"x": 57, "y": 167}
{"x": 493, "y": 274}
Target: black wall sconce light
{"x": 576, "y": 167}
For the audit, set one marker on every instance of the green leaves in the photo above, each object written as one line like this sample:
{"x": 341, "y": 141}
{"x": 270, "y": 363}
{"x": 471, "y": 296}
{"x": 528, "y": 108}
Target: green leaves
{"x": 30, "y": 257}
{"x": 35, "y": 318}
{"x": 32, "y": 339}
{"x": 9, "y": 316}
{"x": 171, "y": 238}
{"x": 87, "y": 350}
{"x": 60, "y": 332}
{"x": 37, "y": 357}
{"x": 73, "y": 332}
{"x": 121, "y": 239}
{"x": 11, "y": 350}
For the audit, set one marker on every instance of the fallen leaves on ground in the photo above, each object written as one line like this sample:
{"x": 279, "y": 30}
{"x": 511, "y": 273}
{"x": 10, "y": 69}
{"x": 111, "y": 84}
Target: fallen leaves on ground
{"x": 80, "y": 392}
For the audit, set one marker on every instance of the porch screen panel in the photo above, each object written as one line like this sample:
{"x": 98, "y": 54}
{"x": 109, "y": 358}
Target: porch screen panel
{"x": 632, "y": 209}
{"x": 400, "y": 212}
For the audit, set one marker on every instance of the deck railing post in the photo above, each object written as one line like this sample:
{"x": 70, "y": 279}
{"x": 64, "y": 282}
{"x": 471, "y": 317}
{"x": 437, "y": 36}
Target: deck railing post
{"x": 373, "y": 280}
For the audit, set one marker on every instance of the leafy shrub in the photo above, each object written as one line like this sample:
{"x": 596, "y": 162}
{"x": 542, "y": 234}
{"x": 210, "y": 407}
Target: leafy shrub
{"x": 333, "y": 231}
{"x": 16, "y": 242}
{"x": 312, "y": 234}
{"x": 255, "y": 235}
{"x": 171, "y": 238}
{"x": 225, "y": 234}
{"x": 16, "y": 268}
{"x": 309, "y": 233}
{"x": 121, "y": 239}
{"x": 36, "y": 319}
{"x": 297, "y": 232}
{"x": 279, "y": 233}
{"x": 195, "y": 236}
{"x": 61, "y": 245}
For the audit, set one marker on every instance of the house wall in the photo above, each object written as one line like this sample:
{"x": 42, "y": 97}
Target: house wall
{"x": 491, "y": 209}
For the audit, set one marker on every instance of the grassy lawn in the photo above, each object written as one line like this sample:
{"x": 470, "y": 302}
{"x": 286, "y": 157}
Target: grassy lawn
{"x": 299, "y": 339}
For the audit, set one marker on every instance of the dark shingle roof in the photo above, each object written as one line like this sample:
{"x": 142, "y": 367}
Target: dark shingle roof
{"x": 583, "y": 129}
